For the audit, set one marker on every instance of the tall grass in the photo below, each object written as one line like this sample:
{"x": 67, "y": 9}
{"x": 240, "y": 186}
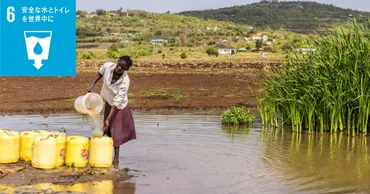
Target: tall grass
{"x": 326, "y": 90}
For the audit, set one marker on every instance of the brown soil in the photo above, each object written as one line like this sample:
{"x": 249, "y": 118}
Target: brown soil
{"x": 204, "y": 89}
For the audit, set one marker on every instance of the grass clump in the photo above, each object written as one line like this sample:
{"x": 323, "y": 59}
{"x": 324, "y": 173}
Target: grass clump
{"x": 180, "y": 95}
{"x": 325, "y": 90}
{"x": 237, "y": 116}
{"x": 157, "y": 94}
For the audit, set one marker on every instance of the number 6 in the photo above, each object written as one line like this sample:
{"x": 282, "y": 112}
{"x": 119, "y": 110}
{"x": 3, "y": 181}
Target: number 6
{"x": 10, "y": 15}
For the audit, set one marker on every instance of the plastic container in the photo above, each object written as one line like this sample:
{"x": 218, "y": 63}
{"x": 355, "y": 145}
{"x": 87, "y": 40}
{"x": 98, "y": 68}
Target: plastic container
{"x": 90, "y": 103}
{"x": 61, "y": 146}
{"x": 26, "y": 140}
{"x": 44, "y": 151}
{"x": 10, "y": 144}
{"x": 77, "y": 151}
{"x": 101, "y": 152}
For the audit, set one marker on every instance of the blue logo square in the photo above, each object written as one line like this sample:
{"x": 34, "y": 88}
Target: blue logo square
{"x": 38, "y": 38}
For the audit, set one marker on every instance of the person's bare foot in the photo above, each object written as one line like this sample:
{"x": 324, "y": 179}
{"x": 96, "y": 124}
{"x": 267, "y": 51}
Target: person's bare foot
{"x": 115, "y": 163}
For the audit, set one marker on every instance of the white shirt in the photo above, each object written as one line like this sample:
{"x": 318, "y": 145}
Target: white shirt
{"x": 115, "y": 94}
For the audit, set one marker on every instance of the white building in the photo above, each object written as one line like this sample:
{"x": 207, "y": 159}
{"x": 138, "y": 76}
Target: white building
{"x": 223, "y": 49}
{"x": 260, "y": 37}
{"x": 158, "y": 41}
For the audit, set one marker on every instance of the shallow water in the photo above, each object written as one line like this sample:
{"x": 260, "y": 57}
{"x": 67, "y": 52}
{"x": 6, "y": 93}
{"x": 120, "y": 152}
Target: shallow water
{"x": 195, "y": 154}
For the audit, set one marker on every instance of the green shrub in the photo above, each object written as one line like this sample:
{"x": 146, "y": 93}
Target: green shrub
{"x": 237, "y": 116}
{"x": 212, "y": 51}
{"x": 113, "y": 51}
{"x": 87, "y": 55}
{"x": 184, "y": 55}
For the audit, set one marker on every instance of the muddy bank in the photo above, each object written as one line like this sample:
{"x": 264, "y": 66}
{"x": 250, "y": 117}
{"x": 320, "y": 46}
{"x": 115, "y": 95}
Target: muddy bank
{"x": 23, "y": 178}
{"x": 23, "y": 173}
{"x": 149, "y": 92}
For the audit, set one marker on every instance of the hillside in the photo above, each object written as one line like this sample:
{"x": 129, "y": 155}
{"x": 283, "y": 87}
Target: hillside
{"x": 143, "y": 27}
{"x": 297, "y": 16}
{"x": 132, "y": 33}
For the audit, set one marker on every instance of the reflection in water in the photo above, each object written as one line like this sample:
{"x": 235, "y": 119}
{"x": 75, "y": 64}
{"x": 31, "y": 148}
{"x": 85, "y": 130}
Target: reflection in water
{"x": 99, "y": 187}
{"x": 7, "y": 189}
{"x": 233, "y": 132}
{"x": 319, "y": 162}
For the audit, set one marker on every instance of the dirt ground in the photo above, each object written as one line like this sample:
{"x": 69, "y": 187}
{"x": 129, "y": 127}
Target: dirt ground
{"x": 184, "y": 89}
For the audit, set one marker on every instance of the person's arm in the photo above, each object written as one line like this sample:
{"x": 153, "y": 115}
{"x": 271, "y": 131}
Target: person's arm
{"x": 97, "y": 78}
{"x": 111, "y": 113}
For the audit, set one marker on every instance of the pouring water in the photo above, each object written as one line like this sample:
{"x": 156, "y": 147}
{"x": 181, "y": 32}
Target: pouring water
{"x": 91, "y": 104}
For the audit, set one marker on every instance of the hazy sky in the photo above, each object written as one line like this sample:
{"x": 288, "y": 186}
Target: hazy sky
{"x": 184, "y": 5}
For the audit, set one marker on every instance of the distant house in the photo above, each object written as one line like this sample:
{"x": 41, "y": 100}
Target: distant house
{"x": 112, "y": 32}
{"x": 242, "y": 50}
{"x": 305, "y": 51}
{"x": 223, "y": 49}
{"x": 260, "y": 37}
{"x": 158, "y": 41}
{"x": 214, "y": 28}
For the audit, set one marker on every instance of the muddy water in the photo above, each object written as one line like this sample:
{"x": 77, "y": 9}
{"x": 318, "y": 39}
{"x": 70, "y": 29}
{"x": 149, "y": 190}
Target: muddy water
{"x": 195, "y": 154}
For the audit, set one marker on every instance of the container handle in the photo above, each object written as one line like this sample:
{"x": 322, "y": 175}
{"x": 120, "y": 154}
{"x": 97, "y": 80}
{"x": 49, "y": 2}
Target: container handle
{"x": 5, "y": 132}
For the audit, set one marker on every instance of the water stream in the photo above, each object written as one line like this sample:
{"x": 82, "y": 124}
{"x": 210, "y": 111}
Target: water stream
{"x": 195, "y": 154}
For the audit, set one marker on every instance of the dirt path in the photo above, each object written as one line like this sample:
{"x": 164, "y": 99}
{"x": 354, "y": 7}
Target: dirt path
{"x": 182, "y": 90}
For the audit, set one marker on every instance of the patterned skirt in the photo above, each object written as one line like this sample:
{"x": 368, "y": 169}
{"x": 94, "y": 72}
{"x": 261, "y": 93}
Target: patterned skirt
{"x": 122, "y": 128}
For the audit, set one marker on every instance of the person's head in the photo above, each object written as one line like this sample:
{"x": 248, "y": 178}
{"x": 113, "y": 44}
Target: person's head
{"x": 123, "y": 64}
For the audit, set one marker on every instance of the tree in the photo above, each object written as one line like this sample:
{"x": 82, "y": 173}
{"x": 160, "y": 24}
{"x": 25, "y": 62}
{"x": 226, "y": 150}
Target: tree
{"x": 107, "y": 14}
{"x": 212, "y": 51}
{"x": 109, "y": 30}
{"x": 158, "y": 33}
{"x": 184, "y": 40}
{"x": 258, "y": 44}
{"x": 100, "y": 12}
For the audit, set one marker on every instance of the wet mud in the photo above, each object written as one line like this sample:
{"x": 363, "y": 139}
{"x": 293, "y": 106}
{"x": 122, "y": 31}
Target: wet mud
{"x": 22, "y": 178}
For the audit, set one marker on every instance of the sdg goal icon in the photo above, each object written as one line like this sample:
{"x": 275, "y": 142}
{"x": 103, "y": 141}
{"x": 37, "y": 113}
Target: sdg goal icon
{"x": 37, "y": 38}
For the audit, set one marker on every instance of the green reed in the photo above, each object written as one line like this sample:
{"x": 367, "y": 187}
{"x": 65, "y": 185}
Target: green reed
{"x": 326, "y": 90}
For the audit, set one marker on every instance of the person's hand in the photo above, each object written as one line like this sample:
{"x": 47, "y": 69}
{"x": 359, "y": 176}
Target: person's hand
{"x": 89, "y": 89}
{"x": 106, "y": 125}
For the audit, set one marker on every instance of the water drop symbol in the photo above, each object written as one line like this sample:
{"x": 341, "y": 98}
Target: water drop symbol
{"x": 37, "y": 49}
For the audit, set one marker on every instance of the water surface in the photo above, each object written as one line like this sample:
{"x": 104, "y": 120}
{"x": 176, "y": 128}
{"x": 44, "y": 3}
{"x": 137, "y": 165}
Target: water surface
{"x": 195, "y": 154}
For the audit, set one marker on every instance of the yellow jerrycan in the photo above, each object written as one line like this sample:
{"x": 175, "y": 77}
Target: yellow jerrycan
{"x": 101, "y": 152}
{"x": 9, "y": 142}
{"x": 44, "y": 151}
{"x": 61, "y": 147}
{"x": 26, "y": 140}
{"x": 77, "y": 151}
